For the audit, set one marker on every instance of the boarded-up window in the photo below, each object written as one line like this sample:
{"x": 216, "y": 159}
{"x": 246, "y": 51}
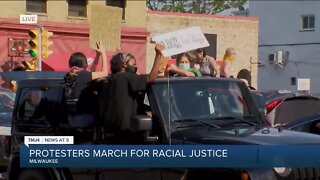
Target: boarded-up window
{"x": 77, "y": 8}
{"x": 39, "y": 6}
{"x": 212, "y": 49}
{"x": 117, "y": 3}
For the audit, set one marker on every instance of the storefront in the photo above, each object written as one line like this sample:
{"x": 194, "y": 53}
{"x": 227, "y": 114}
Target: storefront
{"x": 67, "y": 38}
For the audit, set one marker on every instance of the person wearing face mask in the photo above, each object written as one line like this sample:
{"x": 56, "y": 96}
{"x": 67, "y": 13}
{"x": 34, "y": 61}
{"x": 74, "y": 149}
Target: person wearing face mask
{"x": 121, "y": 91}
{"x": 228, "y": 59}
{"x": 183, "y": 67}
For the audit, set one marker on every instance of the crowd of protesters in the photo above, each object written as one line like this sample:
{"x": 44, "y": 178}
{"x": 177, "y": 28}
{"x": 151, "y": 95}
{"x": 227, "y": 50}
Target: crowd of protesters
{"x": 123, "y": 86}
{"x": 197, "y": 63}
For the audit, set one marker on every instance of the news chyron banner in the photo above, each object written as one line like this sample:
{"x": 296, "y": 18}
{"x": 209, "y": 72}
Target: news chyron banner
{"x": 59, "y": 151}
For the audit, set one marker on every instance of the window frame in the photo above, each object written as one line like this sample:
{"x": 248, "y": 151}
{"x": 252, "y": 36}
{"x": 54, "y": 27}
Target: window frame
{"x": 38, "y": 12}
{"x": 41, "y": 91}
{"x": 273, "y": 61}
{"x": 308, "y": 16}
{"x": 85, "y": 9}
{"x": 293, "y": 81}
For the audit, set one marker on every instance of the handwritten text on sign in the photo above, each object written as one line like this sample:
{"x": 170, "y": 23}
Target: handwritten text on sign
{"x": 180, "y": 41}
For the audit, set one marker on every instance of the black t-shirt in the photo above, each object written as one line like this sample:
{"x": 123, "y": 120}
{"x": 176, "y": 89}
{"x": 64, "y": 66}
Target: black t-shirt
{"x": 83, "y": 80}
{"x": 82, "y": 91}
{"x": 120, "y": 99}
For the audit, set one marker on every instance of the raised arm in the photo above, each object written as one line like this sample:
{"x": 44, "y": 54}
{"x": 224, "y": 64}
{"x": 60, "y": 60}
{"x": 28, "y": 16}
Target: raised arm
{"x": 95, "y": 62}
{"x": 179, "y": 71}
{"x": 156, "y": 64}
{"x": 226, "y": 68}
{"x": 104, "y": 72}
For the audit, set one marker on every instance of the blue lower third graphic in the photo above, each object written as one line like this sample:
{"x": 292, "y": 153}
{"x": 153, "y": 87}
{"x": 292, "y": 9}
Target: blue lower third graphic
{"x": 169, "y": 156}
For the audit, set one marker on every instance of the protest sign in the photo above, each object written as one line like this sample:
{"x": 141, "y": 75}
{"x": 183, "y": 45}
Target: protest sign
{"x": 105, "y": 25}
{"x": 180, "y": 41}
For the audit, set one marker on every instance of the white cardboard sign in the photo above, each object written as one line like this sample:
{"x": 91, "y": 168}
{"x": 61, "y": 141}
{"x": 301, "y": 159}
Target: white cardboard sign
{"x": 180, "y": 41}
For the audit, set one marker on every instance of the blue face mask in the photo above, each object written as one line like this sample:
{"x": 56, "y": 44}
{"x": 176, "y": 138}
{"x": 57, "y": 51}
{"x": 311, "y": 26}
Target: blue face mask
{"x": 184, "y": 66}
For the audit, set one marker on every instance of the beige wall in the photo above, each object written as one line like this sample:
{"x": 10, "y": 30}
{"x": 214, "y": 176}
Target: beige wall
{"x": 12, "y": 8}
{"x": 240, "y": 34}
{"x": 136, "y": 13}
{"x": 57, "y": 11}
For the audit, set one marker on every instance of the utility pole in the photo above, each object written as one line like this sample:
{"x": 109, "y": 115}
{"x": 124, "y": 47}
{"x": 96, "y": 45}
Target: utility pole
{"x": 40, "y": 47}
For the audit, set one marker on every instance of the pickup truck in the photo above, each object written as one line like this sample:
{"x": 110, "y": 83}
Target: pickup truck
{"x": 176, "y": 111}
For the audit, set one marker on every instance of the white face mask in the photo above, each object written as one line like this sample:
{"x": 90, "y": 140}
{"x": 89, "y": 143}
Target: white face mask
{"x": 184, "y": 66}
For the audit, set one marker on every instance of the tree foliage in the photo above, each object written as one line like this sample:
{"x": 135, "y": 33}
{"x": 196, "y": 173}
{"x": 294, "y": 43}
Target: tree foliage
{"x": 194, "y": 6}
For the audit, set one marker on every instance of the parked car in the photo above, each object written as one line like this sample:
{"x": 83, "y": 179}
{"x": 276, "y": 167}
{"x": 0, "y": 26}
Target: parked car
{"x": 265, "y": 97}
{"x": 309, "y": 123}
{"x": 285, "y": 107}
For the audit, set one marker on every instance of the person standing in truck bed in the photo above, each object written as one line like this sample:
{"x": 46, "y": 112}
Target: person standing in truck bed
{"x": 121, "y": 93}
{"x": 78, "y": 88}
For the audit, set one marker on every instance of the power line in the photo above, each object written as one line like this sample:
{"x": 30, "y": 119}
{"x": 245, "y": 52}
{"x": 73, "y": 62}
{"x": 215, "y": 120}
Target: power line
{"x": 290, "y": 44}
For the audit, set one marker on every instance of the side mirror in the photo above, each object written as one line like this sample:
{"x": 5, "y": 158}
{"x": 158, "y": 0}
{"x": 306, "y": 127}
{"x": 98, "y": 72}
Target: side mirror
{"x": 141, "y": 123}
{"x": 144, "y": 123}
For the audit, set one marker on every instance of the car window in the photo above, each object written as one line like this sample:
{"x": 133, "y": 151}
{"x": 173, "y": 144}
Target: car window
{"x": 315, "y": 127}
{"x": 259, "y": 99}
{"x": 37, "y": 104}
{"x": 293, "y": 109}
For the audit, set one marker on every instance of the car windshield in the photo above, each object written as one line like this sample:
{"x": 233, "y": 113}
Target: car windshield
{"x": 205, "y": 99}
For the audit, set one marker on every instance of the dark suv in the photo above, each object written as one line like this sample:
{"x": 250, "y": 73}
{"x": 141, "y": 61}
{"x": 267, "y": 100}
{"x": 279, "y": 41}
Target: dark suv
{"x": 182, "y": 111}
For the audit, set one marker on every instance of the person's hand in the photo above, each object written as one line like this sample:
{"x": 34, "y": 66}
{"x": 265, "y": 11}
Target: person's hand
{"x": 161, "y": 70}
{"x": 100, "y": 47}
{"x": 159, "y": 48}
{"x": 171, "y": 67}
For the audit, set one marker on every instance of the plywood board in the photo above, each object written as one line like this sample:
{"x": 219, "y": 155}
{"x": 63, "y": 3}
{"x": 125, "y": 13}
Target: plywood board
{"x": 105, "y": 25}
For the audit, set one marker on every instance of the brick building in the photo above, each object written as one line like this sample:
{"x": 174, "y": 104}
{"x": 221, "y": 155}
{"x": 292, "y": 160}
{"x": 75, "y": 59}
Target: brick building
{"x": 222, "y": 32}
{"x": 69, "y": 21}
